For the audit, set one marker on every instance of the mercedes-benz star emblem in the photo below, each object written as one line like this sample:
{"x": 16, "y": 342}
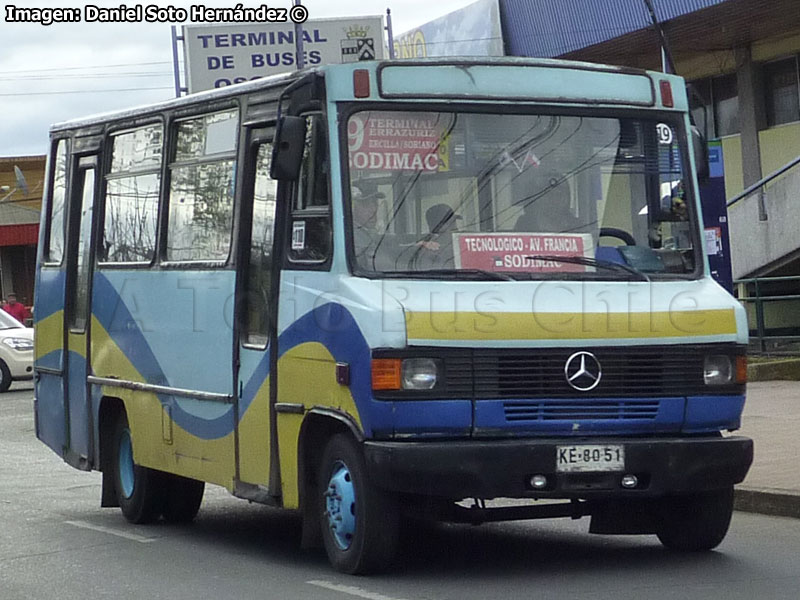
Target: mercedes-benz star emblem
{"x": 583, "y": 371}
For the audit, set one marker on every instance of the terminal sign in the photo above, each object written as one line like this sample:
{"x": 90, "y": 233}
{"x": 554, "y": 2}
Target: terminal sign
{"x": 515, "y": 252}
{"x": 220, "y": 55}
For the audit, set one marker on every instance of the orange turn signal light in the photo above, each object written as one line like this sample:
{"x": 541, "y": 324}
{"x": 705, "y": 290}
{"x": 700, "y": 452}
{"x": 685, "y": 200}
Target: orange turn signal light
{"x": 741, "y": 369}
{"x": 386, "y": 373}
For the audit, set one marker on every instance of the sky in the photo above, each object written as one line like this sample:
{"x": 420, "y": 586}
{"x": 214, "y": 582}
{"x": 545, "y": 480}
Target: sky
{"x": 58, "y": 72}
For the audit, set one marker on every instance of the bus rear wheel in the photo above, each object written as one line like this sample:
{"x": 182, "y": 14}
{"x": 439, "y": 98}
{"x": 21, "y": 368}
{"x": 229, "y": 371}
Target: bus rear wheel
{"x": 360, "y": 522}
{"x": 695, "y": 522}
{"x": 182, "y": 498}
{"x": 139, "y": 489}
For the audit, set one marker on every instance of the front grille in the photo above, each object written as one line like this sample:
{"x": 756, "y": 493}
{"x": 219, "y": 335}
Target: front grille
{"x": 635, "y": 372}
{"x": 550, "y": 410}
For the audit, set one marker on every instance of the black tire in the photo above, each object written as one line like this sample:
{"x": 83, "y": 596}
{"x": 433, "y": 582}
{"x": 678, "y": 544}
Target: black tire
{"x": 373, "y": 543}
{"x": 5, "y": 376}
{"x": 696, "y": 522}
{"x": 182, "y": 498}
{"x": 140, "y": 490}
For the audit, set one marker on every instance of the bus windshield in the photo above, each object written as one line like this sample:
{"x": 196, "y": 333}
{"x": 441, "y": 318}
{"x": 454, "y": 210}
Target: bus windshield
{"x": 519, "y": 195}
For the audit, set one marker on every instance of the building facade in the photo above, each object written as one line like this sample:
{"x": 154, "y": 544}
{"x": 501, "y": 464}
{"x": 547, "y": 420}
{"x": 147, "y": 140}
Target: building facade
{"x": 21, "y": 184}
{"x": 742, "y": 58}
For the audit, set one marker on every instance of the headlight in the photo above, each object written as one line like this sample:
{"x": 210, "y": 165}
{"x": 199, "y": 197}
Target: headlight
{"x": 19, "y": 344}
{"x": 404, "y": 374}
{"x": 419, "y": 374}
{"x": 718, "y": 370}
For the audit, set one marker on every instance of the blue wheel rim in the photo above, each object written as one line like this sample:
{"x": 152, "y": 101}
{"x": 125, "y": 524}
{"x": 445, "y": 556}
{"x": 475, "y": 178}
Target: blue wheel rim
{"x": 340, "y": 505}
{"x": 125, "y": 466}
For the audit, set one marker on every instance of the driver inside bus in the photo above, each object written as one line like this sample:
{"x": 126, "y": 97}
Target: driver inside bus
{"x": 366, "y": 236}
{"x": 442, "y": 221}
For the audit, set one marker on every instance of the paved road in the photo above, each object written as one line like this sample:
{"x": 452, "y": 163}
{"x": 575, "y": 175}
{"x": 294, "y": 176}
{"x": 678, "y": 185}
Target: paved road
{"x": 55, "y": 542}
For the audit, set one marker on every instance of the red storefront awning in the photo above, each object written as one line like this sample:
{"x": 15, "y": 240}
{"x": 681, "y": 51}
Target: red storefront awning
{"x": 19, "y": 235}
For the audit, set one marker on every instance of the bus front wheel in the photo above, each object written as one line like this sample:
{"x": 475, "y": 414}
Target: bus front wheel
{"x": 139, "y": 489}
{"x": 695, "y": 522}
{"x": 359, "y": 521}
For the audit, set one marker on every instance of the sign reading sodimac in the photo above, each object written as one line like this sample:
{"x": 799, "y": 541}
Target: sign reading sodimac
{"x": 394, "y": 141}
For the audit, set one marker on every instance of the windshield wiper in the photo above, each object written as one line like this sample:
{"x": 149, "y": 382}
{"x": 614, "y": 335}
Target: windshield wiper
{"x": 453, "y": 273}
{"x": 592, "y": 262}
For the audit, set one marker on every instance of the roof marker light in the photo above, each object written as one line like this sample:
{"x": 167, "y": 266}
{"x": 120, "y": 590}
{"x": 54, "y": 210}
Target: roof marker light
{"x": 666, "y": 93}
{"x": 361, "y": 83}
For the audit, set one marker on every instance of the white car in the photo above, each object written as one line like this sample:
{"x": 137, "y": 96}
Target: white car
{"x": 16, "y": 351}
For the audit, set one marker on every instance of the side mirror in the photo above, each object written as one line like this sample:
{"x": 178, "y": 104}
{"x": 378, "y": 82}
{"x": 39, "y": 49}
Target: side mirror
{"x": 287, "y": 151}
{"x": 700, "y": 149}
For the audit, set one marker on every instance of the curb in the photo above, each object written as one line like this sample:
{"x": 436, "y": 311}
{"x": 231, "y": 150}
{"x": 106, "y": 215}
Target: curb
{"x": 787, "y": 369}
{"x": 776, "y": 503}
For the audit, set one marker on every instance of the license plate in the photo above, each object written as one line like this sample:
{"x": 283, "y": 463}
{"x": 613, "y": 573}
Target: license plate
{"x": 597, "y": 457}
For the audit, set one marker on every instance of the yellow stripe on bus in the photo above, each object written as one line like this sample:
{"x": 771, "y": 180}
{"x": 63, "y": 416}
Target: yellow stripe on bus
{"x": 49, "y": 334}
{"x": 567, "y": 326}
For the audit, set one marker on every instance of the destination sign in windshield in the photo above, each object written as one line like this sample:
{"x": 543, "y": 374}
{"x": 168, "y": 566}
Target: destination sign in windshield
{"x": 513, "y": 251}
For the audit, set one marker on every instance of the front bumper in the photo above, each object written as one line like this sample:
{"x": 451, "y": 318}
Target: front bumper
{"x": 20, "y": 364}
{"x": 502, "y": 468}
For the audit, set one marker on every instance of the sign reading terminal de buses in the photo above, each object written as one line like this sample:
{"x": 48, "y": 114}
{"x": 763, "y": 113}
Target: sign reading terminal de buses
{"x": 220, "y": 55}
{"x": 519, "y": 251}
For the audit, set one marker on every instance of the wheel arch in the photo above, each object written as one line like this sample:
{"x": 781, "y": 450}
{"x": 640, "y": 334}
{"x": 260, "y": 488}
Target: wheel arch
{"x": 319, "y": 425}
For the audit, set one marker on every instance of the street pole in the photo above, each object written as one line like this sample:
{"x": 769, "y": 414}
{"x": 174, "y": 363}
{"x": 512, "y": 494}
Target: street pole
{"x": 298, "y": 42}
{"x": 667, "y": 63}
{"x": 175, "y": 70}
{"x": 389, "y": 33}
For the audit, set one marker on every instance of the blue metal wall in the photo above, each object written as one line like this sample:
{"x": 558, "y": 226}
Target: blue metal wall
{"x": 549, "y": 28}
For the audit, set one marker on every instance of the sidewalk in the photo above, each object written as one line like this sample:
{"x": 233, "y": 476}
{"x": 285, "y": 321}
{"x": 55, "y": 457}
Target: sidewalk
{"x": 772, "y": 419}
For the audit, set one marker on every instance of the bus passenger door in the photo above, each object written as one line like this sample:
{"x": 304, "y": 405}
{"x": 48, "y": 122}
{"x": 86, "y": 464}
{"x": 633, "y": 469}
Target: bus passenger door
{"x": 255, "y": 291}
{"x": 77, "y": 318}
{"x": 48, "y": 323}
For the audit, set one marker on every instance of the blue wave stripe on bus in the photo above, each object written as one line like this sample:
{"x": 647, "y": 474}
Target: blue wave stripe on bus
{"x": 334, "y": 327}
{"x": 116, "y": 319}
{"x": 51, "y": 360}
{"x": 331, "y": 325}
{"x": 119, "y": 323}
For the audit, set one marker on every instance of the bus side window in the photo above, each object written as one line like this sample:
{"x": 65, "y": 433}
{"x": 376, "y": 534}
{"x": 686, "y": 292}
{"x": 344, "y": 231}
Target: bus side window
{"x": 259, "y": 269}
{"x": 201, "y": 188}
{"x": 131, "y": 204}
{"x": 80, "y": 246}
{"x": 54, "y": 250}
{"x": 310, "y": 223}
